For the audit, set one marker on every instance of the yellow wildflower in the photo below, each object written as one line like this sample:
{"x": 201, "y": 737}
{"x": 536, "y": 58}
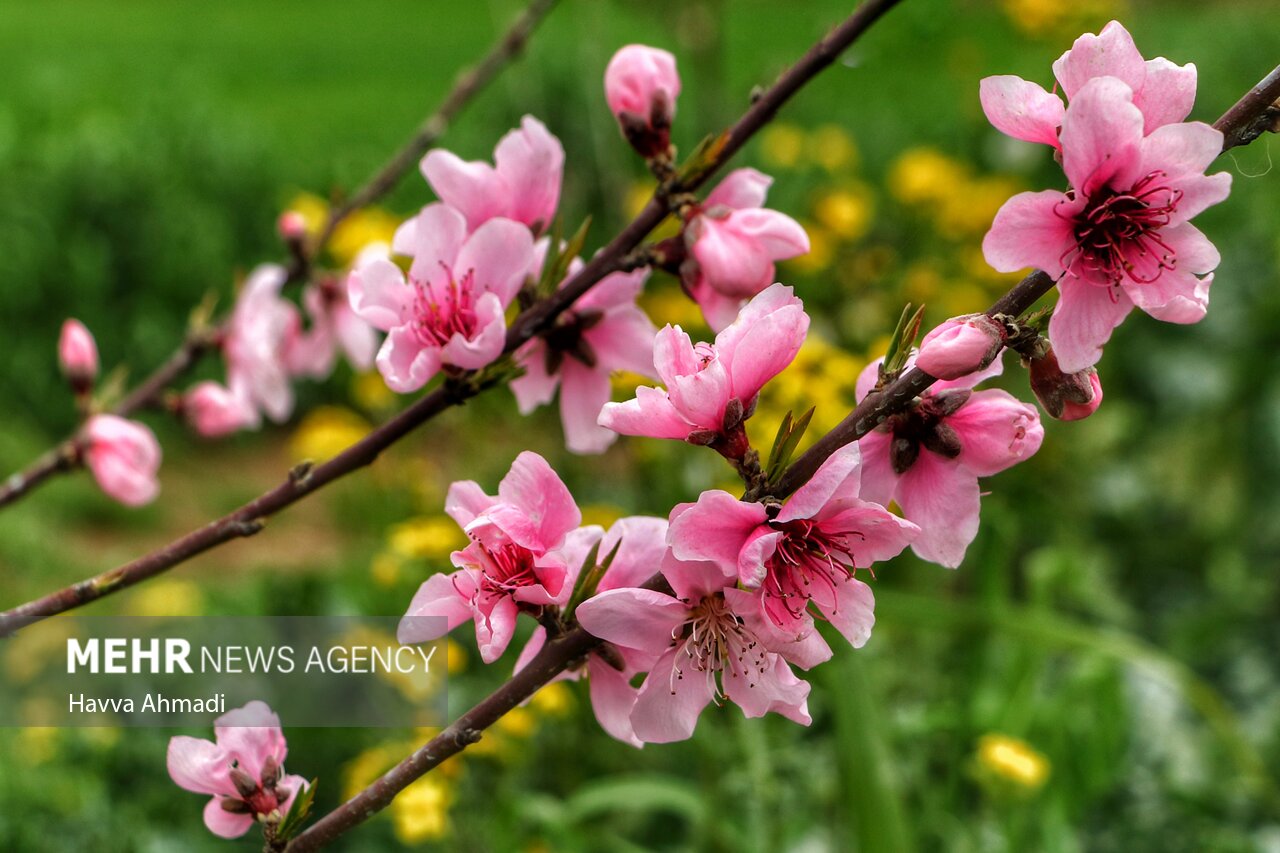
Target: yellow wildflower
{"x": 167, "y": 597}
{"x": 782, "y": 145}
{"x": 421, "y": 811}
{"x": 832, "y": 148}
{"x": 602, "y": 514}
{"x": 427, "y": 537}
{"x": 360, "y": 230}
{"x": 1013, "y": 760}
{"x": 846, "y": 212}
{"x": 325, "y": 432}
{"x": 921, "y": 175}
{"x": 371, "y": 393}
{"x": 822, "y": 250}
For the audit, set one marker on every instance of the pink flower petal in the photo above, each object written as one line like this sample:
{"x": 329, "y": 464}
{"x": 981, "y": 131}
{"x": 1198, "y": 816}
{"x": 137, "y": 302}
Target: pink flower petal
{"x": 1021, "y": 109}
{"x": 543, "y": 509}
{"x": 942, "y": 497}
{"x": 465, "y": 501}
{"x": 740, "y": 189}
{"x": 583, "y": 393}
{"x": 530, "y": 162}
{"x": 200, "y": 766}
{"x": 878, "y": 479}
{"x": 490, "y": 337}
{"x": 1167, "y": 93}
{"x": 1029, "y": 232}
{"x": 1110, "y": 54}
{"x": 405, "y": 363}
{"x": 855, "y": 612}
{"x": 499, "y": 252}
{"x": 838, "y": 477}
{"x": 668, "y": 706}
{"x": 495, "y": 629}
{"x": 623, "y": 340}
{"x": 223, "y": 823}
{"x": 763, "y": 341}
{"x": 379, "y": 295}
{"x": 612, "y": 700}
{"x": 641, "y": 542}
{"x": 775, "y": 690}
{"x": 875, "y": 533}
{"x": 438, "y": 596}
{"x": 649, "y": 414}
{"x": 715, "y": 529}
{"x": 437, "y": 237}
{"x": 535, "y": 387}
{"x": 996, "y": 431}
{"x": 1083, "y": 321}
{"x": 636, "y": 618}
{"x": 474, "y": 189}
{"x": 1101, "y": 135}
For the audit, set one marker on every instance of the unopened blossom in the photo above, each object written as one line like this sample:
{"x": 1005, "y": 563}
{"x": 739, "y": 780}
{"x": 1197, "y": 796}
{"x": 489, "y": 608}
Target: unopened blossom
{"x": 602, "y": 332}
{"x": 1121, "y": 235}
{"x": 712, "y": 388}
{"x": 291, "y": 226}
{"x": 1065, "y": 396}
{"x": 960, "y": 346}
{"x": 640, "y": 543}
{"x": 641, "y": 85}
{"x": 334, "y": 326}
{"x": 514, "y": 563}
{"x": 1162, "y": 91}
{"x": 929, "y": 457}
{"x": 450, "y": 310}
{"x": 801, "y": 559}
{"x": 732, "y": 244}
{"x": 213, "y": 410}
{"x": 77, "y": 354}
{"x": 124, "y": 458}
{"x": 243, "y": 770}
{"x": 523, "y": 184}
{"x": 704, "y": 650}
{"x": 262, "y": 324}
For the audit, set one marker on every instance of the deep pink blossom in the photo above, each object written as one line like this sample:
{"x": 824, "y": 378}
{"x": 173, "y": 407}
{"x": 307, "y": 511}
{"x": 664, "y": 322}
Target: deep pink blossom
{"x": 1121, "y": 236}
{"x": 805, "y": 554}
{"x": 704, "y": 648}
{"x": 641, "y": 543}
{"x": 929, "y": 457}
{"x": 262, "y": 324}
{"x": 77, "y": 354}
{"x": 602, "y": 332}
{"x": 1065, "y": 396}
{"x": 514, "y": 562}
{"x": 124, "y": 458}
{"x": 960, "y": 346}
{"x": 451, "y": 309}
{"x": 1162, "y": 91}
{"x": 641, "y": 86}
{"x": 334, "y": 326}
{"x": 733, "y": 242}
{"x": 523, "y": 184}
{"x": 243, "y": 771}
{"x": 712, "y": 388}
{"x": 214, "y": 411}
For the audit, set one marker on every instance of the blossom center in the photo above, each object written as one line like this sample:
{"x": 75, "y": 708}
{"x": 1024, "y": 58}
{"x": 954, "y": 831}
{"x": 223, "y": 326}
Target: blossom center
{"x": 713, "y": 639}
{"x": 1117, "y": 235}
{"x": 442, "y": 311}
{"x": 924, "y": 425}
{"x": 567, "y": 338}
{"x": 807, "y": 564}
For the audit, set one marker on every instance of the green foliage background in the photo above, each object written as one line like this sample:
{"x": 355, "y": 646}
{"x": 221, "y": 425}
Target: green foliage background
{"x": 1118, "y": 611}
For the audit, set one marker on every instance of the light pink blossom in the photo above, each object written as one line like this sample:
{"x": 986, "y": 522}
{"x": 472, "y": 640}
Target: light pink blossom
{"x": 243, "y": 771}
{"x": 334, "y": 325}
{"x": 704, "y": 648}
{"x": 805, "y": 554}
{"x": 712, "y": 388}
{"x": 262, "y": 324}
{"x": 1121, "y": 236}
{"x": 214, "y": 411}
{"x": 450, "y": 312}
{"x": 733, "y": 242}
{"x": 641, "y": 543}
{"x": 641, "y": 86}
{"x": 124, "y": 458}
{"x": 960, "y": 346}
{"x": 514, "y": 562}
{"x": 523, "y": 184}
{"x": 77, "y": 354}
{"x": 929, "y": 457}
{"x": 1162, "y": 91}
{"x": 602, "y": 332}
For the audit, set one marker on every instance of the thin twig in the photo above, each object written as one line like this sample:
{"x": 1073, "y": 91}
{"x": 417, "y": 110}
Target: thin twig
{"x": 66, "y": 456}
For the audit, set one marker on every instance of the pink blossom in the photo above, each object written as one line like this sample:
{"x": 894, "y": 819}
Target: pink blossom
{"x": 641, "y": 86}
{"x": 929, "y": 457}
{"x": 77, "y": 354}
{"x": 733, "y": 242}
{"x": 604, "y": 331}
{"x": 1162, "y": 91}
{"x": 641, "y": 543}
{"x": 262, "y": 323}
{"x": 291, "y": 225}
{"x": 960, "y": 346}
{"x": 451, "y": 310}
{"x": 523, "y": 184}
{"x": 124, "y": 457}
{"x": 712, "y": 388}
{"x": 1065, "y": 396}
{"x": 334, "y": 325}
{"x": 243, "y": 771}
{"x": 1121, "y": 236}
{"x": 704, "y": 649}
{"x": 514, "y": 562}
{"x": 806, "y": 554}
{"x": 214, "y": 411}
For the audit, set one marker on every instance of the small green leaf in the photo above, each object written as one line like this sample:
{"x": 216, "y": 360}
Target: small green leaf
{"x": 702, "y": 160}
{"x": 901, "y": 342}
{"x": 298, "y": 812}
{"x": 591, "y": 573}
{"x": 781, "y": 457}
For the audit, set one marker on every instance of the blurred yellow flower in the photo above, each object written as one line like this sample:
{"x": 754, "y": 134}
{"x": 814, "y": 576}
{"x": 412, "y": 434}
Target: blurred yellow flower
{"x": 167, "y": 597}
{"x": 421, "y": 811}
{"x": 385, "y": 568}
{"x": 924, "y": 174}
{"x": 846, "y": 212}
{"x": 360, "y": 230}
{"x": 821, "y": 252}
{"x": 325, "y": 432}
{"x": 36, "y": 745}
{"x": 832, "y": 148}
{"x": 371, "y": 393}
{"x": 1054, "y": 18}
{"x": 968, "y": 211}
{"x": 555, "y": 699}
{"x": 823, "y": 376}
{"x": 456, "y": 657}
{"x": 427, "y": 537}
{"x": 313, "y": 210}
{"x": 602, "y": 514}
{"x": 670, "y": 305}
{"x": 1012, "y": 760}
{"x": 782, "y": 145}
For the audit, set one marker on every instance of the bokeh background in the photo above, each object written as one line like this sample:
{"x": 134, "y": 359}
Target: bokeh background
{"x": 1101, "y": 674}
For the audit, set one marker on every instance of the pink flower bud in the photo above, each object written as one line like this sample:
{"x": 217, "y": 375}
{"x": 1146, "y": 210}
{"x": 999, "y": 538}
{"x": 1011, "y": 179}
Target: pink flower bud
{"x": 123, "y": 457}
{"x": 1080, "y": 411}
{"x": 1065, "y": 396}
{"x": 215, "y": 411}
{"x": 641, "y": 85}
{"x": 77, "y": 354}
{"x": 960, "y": 346}
{"x": 291, "y": 226}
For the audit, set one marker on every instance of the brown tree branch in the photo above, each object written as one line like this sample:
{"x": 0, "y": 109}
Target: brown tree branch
{"x": 613, "y": 257}
{"x": 66, "y": 455}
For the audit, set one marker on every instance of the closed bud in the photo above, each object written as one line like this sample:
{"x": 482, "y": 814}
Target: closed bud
{"x": 641, "y": 85}
{"x": 78, "y": 355}
{"x": 1065, "y": 396}
{"x": 960, "y": 346}
{"x": 291, "y": 226}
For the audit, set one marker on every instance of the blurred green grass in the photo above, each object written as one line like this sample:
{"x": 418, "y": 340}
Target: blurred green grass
{"x": 1118, "y": 611}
